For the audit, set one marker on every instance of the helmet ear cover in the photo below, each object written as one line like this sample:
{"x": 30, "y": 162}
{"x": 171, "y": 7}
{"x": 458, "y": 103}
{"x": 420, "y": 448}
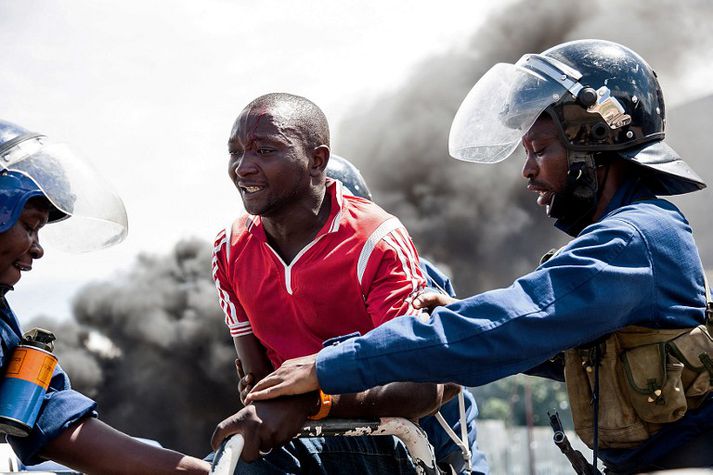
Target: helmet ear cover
{"x": 574, "y": 206}
{"x": 584, "y": 129}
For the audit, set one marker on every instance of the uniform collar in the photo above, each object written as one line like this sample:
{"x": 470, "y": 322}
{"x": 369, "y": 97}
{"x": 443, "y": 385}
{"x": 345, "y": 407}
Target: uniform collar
{"x": 630, "y": 191}
{"x": 335, "y": 192}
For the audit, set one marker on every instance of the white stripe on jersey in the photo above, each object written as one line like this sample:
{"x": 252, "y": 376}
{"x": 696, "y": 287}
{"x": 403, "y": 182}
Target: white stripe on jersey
{"x": 407, "y": 267}
{"x": 384, "y": 228}
{"x": 410, "y": 251}
{"x": 219, "y": 241}
{"x": 228, "y": 236}
{"x": 236, "y": 327}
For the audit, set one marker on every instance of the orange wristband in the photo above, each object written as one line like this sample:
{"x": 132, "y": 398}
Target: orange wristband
{"x": 325, "y": 405}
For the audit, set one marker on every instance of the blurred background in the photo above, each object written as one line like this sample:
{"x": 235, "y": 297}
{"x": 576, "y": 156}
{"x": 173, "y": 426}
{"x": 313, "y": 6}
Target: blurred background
{"x": 148, "y": 90}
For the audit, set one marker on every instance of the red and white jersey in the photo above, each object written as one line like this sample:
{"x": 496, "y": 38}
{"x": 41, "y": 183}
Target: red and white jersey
{"x": 357, "y": 273}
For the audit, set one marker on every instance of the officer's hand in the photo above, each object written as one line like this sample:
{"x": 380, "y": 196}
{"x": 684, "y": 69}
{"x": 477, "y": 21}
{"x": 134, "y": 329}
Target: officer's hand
{"x": 266, "y": 424}
{"x": 295, "y": 376}
{"x": 245, "y": 381}
{"x": 431, "y": 300}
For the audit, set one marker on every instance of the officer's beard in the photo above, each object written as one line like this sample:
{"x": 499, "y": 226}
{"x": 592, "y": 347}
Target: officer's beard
{"x": 574, "y": 207}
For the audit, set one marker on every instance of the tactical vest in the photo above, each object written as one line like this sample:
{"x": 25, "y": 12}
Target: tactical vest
{"x": 647, "y": 378}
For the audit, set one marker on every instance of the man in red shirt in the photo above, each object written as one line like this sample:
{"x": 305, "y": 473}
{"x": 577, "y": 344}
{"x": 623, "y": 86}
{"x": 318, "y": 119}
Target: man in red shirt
{"x": 306, "y": 264}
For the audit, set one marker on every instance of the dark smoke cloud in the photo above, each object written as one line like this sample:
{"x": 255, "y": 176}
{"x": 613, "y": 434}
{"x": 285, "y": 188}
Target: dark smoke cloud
{"x": 169, "y": 375}
{"x": 478, "y": 220}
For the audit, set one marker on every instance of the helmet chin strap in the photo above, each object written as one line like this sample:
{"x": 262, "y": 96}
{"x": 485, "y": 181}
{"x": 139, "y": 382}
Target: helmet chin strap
{"x": 574, "y": 206}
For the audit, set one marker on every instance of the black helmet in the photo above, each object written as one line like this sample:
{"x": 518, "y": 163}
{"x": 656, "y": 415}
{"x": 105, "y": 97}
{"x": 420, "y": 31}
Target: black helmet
{"x": 619, "y": 107}
{"x": 341, "y": 169}
{"x": 616, "y": 101}
{"x": 602, "y": 95}
{"x": 607, "y": 104}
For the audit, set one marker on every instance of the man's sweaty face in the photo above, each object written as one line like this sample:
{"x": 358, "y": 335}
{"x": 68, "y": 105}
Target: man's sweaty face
{"x": 545, "y": 160}
{"x": 267, "y": 161}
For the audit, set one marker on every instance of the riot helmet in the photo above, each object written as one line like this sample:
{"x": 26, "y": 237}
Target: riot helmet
{"x": 607, "y": 104}
{"x": 31, "y": 165}
{"x": 339, "y": 168}
{"x": 15, "y": 191}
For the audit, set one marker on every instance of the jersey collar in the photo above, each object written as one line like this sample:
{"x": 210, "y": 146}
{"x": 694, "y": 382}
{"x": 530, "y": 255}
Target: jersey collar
{"x": 335, "y": 192}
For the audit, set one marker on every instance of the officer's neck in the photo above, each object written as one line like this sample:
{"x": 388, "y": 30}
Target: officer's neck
{"x": 610, "y": 179}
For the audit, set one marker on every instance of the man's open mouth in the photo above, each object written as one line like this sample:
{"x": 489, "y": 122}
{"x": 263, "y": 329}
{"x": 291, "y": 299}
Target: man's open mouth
{"x": 23, "y": 267}
{"x": 545, "y": 195}
{"x": 251, "y": 189}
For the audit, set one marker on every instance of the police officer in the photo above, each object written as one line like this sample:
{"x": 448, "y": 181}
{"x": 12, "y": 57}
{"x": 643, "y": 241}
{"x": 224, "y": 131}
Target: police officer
{"x": 44, "y": 182}
{"x": 625, "y": 300}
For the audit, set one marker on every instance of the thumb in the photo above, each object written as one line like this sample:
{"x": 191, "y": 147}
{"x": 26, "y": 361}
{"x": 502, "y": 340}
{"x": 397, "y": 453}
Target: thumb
{"x": 429, "y": 300}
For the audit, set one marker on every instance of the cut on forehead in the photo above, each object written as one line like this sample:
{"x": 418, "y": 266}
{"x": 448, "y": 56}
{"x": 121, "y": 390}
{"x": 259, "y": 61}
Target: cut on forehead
{"x": 297, "y": 112}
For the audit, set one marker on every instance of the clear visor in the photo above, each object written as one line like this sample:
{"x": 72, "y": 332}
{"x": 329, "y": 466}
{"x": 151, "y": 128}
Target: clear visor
{"x": 98, "y": 217}
{"x": 498, "y": 111}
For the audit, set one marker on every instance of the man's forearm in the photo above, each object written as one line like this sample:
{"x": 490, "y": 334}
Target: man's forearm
{"x": 252, "y": 356}
{"x": 94, "y": 447}
{"x": 410, "y": 400}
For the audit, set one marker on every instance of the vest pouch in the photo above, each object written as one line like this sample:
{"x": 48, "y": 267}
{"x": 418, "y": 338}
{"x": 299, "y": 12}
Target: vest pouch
{"x": 654, "y": 383}
{"x": 619, "y": 424}
{"x": 695, "y": 350}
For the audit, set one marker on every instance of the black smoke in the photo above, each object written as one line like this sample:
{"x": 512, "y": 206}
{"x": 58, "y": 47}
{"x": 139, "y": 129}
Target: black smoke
{"x": 477, "y": 219}
{"x": 167, "y": 373}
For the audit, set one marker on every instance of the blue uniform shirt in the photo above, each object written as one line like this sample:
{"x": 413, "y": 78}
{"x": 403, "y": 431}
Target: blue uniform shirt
{"x": 62, "y": 406}
{"x": 442, "y": 443}
{"x": 638, "y": 265}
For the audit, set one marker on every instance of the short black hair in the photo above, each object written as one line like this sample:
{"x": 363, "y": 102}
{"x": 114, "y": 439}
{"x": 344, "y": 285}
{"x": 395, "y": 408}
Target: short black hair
{"x": 305, "y": 115}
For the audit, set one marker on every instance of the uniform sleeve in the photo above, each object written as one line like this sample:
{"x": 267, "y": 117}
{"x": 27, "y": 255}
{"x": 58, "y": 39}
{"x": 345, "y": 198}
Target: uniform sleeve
{"x": 391, "y": 276}
{"x": 235, "y": 318}
{"x": 62, "y": 407}
{"x": 596, "y": 285}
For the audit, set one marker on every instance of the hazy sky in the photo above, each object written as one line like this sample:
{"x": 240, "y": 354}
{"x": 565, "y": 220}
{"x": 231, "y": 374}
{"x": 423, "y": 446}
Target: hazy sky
{"x": 147, "y": 90}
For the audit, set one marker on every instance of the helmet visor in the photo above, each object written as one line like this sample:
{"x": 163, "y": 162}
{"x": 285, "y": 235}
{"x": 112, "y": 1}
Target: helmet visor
{"x": 499, "y": 110}
{"x": 98, "y": 217}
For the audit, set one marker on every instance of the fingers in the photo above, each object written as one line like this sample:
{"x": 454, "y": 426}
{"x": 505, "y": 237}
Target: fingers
{"x": 245, "y": 383}
{"x": 267, "y": 388}
{"x": 221, "y": 431}
{"x": 239, "y": 368}
{"x": 245, "y": 386}
{"x": 430, "y": 300}
{"x": 297, "y": 376}
{"x": 276, "y": 385}
{"x": 234, "y": 425}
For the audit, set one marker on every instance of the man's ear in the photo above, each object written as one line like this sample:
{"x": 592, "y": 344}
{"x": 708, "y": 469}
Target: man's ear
{"x": 320, "y": 158}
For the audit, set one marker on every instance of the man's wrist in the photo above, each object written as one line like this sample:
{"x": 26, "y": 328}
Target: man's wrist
{"x": 322, "y": 407}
